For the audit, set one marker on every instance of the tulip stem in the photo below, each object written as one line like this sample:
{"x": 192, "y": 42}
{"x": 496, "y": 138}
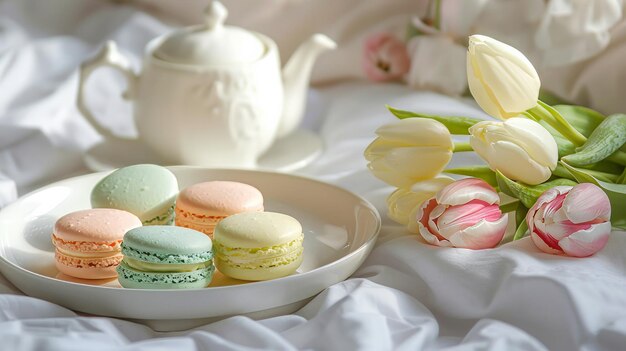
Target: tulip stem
{"x": 551, "y": 116}
{"x": 510, "y": 207}
{"x": 434, "y": 13}
{"x": 622, "y": 178}
{"x": 462, "y": 147}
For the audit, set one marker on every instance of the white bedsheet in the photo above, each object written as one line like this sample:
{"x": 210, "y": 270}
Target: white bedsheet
{"x": 406, "y": 296}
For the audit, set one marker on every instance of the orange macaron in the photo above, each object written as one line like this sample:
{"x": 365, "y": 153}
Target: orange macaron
{"x": 203, "y": 205}
{"x": 87, "y": 243}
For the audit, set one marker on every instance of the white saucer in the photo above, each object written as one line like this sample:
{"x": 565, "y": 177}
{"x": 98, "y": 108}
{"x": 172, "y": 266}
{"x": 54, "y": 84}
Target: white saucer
{"x": 292, "y": 152}
{"x": 340, "y": 230}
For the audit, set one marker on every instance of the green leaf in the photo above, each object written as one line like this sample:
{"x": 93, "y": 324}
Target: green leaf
{"x": 605, "y": 167}
{"x": 455, "y": 124}
{"x": 615, "y": 192}
{"x": 622, "y": 178}
{"x": 563, "y": 167}
{"x": 584, "y": 119}
{"x": 510, "y": 207}
{"x": 482, "y": 172}
{"x": 607, "y": 138}
{"x": 521, "y": 231}
{"x": 528, "y": 194}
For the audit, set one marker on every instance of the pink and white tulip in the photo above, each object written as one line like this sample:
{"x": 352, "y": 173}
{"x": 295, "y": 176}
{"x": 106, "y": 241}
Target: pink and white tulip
{"x": 385, "y": 57}
{"x": 464, "y": 214}
{"x": 574, "y": 221}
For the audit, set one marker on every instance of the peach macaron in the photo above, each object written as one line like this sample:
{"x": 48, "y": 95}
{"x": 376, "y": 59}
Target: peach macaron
{"x": 202, "y": 206}
{"x": 88, "y": 242}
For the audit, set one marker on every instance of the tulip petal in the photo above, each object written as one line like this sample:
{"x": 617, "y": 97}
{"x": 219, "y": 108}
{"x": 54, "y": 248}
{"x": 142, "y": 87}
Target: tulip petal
{"x": 389, "y": 176}
{"x": 465, "y": 190}
{"x": 541, "y": 245}
{"x": 378, "y": 148}
{"x": 546, "y": 197}
{"x": 405, "y": 200}
{"x": 483, "y": 96}
{"x": 418, "y": 163}
{"x": 417, "y": 132}
{"x": 482, "y": 235}
{"x": 586, "y": 202}
{"x": 458, "y": 218}
{"x": 541, "y": 231}
{"x": 509, "y": 75}
{"x": 432, "y": 239}
{"x": 534, "y": 139}
{"x": 586, "y": 242}
{"x": 424, "y": 219}
{"x": 514, "y": 163}
{"x": 562, "y": 230}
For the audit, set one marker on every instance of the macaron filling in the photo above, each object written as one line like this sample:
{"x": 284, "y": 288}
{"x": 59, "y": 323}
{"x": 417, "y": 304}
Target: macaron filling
{"x": 160, "y": 267}
{"x": 86, "y": 246}
{"x": 82, "y": 254}
{"x": 164, "y": 218}
{"x": 153, "y": 257}
{"x": 264, "y": 257}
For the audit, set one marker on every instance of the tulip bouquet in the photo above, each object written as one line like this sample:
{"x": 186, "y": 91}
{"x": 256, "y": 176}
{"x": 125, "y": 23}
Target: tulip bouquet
{"x": 561, "y": 167}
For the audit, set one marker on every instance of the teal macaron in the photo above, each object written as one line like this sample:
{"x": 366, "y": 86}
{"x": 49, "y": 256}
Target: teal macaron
{"x": 166, "y": 257}
{"x": 147, "y": 191}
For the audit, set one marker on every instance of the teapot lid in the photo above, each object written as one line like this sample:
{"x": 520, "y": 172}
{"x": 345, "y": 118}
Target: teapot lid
{"x": 211, "y": 43}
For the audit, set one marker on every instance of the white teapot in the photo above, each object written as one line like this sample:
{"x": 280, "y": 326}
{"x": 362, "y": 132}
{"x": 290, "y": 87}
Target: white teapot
{"x": 211, "y": 95}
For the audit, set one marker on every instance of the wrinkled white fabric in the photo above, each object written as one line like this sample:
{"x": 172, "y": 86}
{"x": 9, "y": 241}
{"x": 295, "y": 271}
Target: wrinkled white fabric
{"x": 406, "y": 296}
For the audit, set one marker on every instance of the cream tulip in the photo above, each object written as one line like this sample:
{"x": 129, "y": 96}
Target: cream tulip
{"x": 403, "y": 203}
{"x": 521, "y": 149}
{"x": 409, "y": 150}
{"x": 502, "y": 80}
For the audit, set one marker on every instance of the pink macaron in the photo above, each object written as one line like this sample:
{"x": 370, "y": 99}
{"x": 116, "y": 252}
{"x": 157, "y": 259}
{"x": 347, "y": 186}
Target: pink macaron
{"x": 87, "y": 243}
{"x": 203, "y": 205}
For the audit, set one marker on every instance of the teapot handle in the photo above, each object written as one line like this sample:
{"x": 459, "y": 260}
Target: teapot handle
{"x": 109, "y": 56}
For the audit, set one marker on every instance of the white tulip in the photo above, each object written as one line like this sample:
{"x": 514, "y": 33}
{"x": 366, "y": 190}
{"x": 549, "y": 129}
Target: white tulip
{"x": 409, "y": 150}
{"x": 501, "y": 79}
{"x": 520, "y": 148}
{"x": 404, "y": 203}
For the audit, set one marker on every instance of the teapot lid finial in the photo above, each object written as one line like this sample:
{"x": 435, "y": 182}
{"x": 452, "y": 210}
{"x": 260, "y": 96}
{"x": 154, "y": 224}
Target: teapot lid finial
{"x": 215, "y": 15}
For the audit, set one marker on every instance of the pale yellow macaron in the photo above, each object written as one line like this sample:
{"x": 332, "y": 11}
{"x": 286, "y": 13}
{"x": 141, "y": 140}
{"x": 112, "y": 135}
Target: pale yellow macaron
{"x": 258, "y": 245}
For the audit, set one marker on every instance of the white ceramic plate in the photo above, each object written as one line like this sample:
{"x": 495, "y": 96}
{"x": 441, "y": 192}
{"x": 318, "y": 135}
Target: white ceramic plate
{"x": 292, "y": 152}
{"x": 340, "y": 230}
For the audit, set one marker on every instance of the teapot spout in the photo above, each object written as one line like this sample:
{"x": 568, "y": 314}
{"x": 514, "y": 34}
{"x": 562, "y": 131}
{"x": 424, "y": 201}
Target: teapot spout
{"x": 296, "y": 74}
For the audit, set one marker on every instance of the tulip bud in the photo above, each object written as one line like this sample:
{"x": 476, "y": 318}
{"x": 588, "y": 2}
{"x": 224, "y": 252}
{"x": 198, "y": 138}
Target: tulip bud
{"x": 404, "y": 203}
{"x": 501, "y": 79}
{"x": 519, "y": 148}
{"x": 409, "y": 150}
{"x": 571, "y": 220}
{"x": 464, "y": 214}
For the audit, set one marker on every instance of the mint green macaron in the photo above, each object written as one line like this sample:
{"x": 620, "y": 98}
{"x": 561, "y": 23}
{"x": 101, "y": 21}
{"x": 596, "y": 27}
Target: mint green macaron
{"x": 166, "y": 257}
{"x": 147, "y": 191}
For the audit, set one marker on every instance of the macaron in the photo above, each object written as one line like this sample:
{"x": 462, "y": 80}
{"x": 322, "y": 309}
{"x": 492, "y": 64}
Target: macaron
{"x": 148, "y": 191}
{"x": 166, "y": 257}
{"x": 203, "y": 205}
{"x": 87, "y": 243}
{"x": 258, "y": 245}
